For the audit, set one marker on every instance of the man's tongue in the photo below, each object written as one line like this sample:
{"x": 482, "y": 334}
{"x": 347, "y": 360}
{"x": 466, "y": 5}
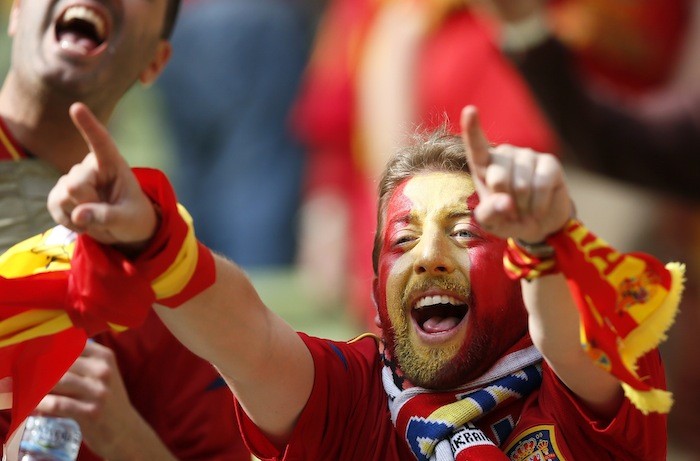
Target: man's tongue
{"x": 439, "y": 324}
{"x": 76, "y": 42}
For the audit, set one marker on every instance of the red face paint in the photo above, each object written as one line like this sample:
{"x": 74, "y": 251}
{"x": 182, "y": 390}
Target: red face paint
{"x": 496, "y": 317}
{"x": 396, "y": 218}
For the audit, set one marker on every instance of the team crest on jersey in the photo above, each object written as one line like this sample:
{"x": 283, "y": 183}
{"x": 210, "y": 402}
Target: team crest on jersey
{"x": 535, "y": 444}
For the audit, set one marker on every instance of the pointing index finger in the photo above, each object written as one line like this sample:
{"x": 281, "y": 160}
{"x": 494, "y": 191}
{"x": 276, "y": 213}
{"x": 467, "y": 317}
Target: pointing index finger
{"x": 475, "y": 143}
{"x": 97, "y": 138}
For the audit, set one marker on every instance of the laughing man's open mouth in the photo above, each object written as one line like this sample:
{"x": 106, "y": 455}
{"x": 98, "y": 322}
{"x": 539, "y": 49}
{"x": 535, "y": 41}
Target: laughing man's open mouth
{"x": 438, "y": 313}
{"x": 81, "y": 28}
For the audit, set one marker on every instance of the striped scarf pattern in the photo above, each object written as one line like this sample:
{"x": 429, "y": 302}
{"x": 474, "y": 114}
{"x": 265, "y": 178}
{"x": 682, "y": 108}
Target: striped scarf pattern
{"x": 439, "y": 425}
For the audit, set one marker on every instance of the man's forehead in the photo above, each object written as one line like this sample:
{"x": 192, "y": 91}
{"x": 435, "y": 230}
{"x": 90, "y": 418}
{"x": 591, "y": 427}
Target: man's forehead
{"x": 432, "y": 191}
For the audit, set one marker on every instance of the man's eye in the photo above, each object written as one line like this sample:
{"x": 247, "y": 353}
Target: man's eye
{"x": 403, "y": 239}
{"x": 463, "y": 233}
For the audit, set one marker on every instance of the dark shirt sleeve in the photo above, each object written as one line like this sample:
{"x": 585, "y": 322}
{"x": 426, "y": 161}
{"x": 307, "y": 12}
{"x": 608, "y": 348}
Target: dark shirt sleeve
{"x": 658, "y": 150}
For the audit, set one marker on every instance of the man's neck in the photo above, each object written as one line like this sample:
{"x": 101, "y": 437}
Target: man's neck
{"x": 42, "y": 126}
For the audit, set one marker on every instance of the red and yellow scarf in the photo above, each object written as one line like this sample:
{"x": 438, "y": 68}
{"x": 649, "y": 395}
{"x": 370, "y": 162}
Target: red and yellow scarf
{"x": 626, "y": 302}
{"x": 56, "y": 289}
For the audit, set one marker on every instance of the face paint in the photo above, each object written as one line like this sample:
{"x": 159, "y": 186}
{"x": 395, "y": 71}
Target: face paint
{"x": 447, "y": 309}
{"x": 396, "y": 217}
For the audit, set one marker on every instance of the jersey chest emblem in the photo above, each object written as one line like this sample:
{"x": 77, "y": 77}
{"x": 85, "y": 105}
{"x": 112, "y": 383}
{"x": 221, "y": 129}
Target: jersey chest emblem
{"x": 535, "y": 444}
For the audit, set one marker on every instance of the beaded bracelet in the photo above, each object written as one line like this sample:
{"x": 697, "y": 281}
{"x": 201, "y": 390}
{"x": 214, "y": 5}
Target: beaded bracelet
{"x": 528, "y": 261}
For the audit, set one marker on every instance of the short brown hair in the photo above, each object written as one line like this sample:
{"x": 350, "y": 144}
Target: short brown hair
{"x": 171, "y": 12}
{"x": 438, "y": 150}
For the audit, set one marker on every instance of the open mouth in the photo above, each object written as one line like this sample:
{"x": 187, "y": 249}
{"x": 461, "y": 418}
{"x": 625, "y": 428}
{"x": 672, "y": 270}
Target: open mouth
{"x": 81, "y": 28}
{"x": 438, "y": 313}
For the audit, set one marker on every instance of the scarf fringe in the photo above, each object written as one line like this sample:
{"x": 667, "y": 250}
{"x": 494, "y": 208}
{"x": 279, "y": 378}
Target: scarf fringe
{"x": 650, "y": 333}
{"x": 654, "y": 400}
{"x": 648, "y": 336}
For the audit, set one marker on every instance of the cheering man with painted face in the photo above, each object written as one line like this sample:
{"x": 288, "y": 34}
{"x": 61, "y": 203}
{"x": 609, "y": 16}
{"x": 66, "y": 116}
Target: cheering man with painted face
{"x": 481, "y": 354}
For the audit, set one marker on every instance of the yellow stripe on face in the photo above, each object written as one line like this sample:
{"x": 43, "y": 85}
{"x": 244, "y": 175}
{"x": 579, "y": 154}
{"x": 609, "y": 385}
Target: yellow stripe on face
{"x": 444, "y": 191}
{"x": 424, "y": 210}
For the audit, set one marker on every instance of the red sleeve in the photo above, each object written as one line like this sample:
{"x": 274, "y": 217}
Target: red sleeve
{"x": 347, "y": 405}
{"x": 629, "y": 436}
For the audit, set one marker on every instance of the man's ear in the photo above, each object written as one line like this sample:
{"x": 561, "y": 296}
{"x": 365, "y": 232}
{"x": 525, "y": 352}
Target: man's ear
{"x": 375, "y": 288}
{"x": 155, "y": 67}
{"x": 12, "y": 20}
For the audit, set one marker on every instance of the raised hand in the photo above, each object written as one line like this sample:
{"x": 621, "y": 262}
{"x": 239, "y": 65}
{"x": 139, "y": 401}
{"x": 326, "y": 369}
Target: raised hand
{"x": 100, "y": 196}
{"x": 522, "y": 193}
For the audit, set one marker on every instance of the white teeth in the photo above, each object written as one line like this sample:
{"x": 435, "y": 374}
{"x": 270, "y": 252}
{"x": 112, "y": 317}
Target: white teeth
{"x": 435, "y": 300}
{"x": 72, "y": 46}
{"x": 88, "y": 15}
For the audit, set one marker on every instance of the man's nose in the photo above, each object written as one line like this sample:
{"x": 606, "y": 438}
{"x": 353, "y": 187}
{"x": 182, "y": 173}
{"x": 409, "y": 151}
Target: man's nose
{"x": 434, "y": 255}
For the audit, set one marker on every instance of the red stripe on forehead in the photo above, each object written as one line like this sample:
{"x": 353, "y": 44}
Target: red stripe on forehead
{"x": 397, "y": 214}
{"x": 473, "y": 201}
{"x": 399, "y": 203}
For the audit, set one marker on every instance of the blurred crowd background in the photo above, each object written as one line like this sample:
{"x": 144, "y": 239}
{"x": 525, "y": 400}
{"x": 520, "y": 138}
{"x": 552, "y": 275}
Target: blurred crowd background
{"x": 274, "y": 118}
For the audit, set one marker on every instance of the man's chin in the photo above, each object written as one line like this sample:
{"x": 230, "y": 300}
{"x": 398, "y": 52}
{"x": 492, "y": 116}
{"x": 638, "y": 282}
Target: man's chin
{"x": 443, "y": 368}
{"x": 444, "y": 378}
{"x": 432, "y": 371}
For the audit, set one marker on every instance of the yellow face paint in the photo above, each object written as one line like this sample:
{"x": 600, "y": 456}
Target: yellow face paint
{"x": 427, "y": 232}
{"x": 447, "y": 308}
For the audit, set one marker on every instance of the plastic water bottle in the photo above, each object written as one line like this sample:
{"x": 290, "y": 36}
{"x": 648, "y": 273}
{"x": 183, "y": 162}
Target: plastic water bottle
{"x": 50, "y": 439}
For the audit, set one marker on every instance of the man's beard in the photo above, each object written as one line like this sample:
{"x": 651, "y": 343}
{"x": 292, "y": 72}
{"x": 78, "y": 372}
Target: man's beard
{"x": 440, "y": 367}
{"x": 443, "y": 368}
